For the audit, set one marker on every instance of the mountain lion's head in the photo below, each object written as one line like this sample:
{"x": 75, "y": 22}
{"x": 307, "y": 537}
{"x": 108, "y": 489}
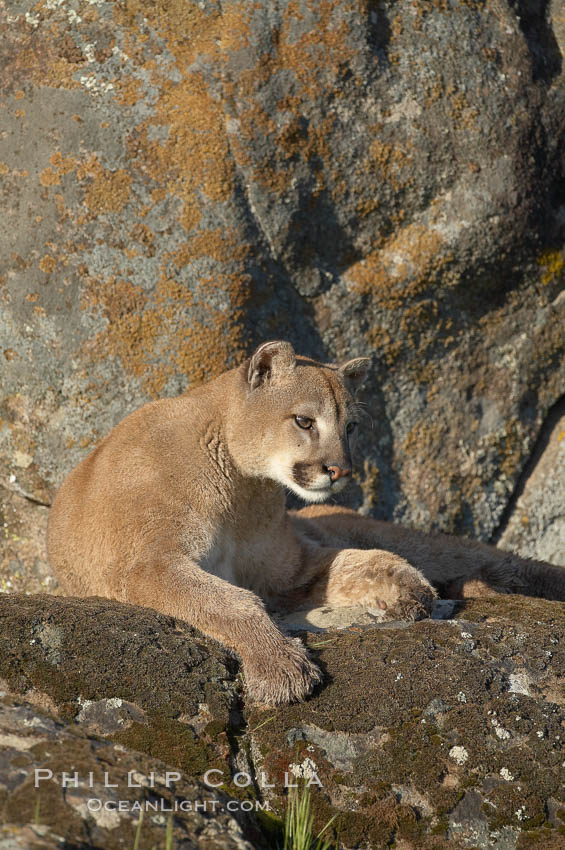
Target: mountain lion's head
{"x": 299, "y": 420}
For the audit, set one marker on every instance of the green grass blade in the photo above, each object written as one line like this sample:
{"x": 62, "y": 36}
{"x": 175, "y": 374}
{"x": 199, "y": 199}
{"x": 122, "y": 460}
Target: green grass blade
{"x": 299, "y": 823}
{"x": 169, "y": 834}
{"x": 138, "y": 831}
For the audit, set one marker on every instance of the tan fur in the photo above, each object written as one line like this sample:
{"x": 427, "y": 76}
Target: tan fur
{"x": 182, "y": 508}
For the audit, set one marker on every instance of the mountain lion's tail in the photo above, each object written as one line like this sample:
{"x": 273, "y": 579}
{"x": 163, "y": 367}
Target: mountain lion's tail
{"x": 511, "y": 574}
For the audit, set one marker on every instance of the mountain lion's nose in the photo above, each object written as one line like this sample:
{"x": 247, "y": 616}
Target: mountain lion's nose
{"x": 336, "y": 472}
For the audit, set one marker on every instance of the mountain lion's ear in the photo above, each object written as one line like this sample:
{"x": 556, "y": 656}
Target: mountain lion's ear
{"x": 354, "y": 372}
{"x": 270, "y": 360}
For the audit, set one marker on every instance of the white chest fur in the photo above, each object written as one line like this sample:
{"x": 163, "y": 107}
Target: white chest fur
{"x": 220, "y": 558}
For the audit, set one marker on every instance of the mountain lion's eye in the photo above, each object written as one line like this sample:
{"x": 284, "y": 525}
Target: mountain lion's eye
{"x": 351, "y": 426}
{"x": 303, "y": 422}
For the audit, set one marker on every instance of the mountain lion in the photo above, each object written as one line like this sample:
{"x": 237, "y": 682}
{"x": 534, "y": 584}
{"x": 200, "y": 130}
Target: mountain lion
{"x": 182, "y": 508}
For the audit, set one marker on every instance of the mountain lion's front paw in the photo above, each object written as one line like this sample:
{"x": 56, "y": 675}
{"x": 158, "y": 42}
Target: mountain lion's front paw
{"x": 413, "y": 597}
{"x": 284, "y": 676}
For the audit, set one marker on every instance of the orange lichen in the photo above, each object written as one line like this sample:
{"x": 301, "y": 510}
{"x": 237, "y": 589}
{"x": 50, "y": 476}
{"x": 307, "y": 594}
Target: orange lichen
{"x": 221, "y": 245}
{"x": 128, "y": 91}
{"x": 146, "y": 335}
{"x": 401, "y": 267}
{"x": 203, "y": 349}
{"x": 328, "y": 39}
{"x": 551, "y": 264}
{"x": 130, "y": 330}
{"x": 48, "y": 264}
{"x": 315, "y": 60}
{"x": 236, "y": 31}
{"x": 179, "y": 152}
{"x": 195, "y": 156}
{"x": 63, "y": 164}
{"x": 391, "y": 162}
{"x": 109, "y": 190}
{"x": 48, "y": 177}
{"x": 380, "y": 340}
{"x": 43, "y": 57}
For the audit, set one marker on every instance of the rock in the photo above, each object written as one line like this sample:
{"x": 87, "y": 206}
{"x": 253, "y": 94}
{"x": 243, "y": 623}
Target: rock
{"x": 23, "y": 550}
{"x": 327, "y": 618}
{"x": 98, "y": 802}
{"x": 437, "y": 734}
{"x": 142, "y": 679}
{"x": 183, "y": 181}
{"x": 535, "y": 527}
{"x": 29, "y": 837}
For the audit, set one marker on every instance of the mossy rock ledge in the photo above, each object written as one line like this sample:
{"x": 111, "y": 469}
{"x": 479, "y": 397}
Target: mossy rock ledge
{"x": 113, "y": 689}
{"x": 443, "y": 733}
{"x": 87, "y": 815}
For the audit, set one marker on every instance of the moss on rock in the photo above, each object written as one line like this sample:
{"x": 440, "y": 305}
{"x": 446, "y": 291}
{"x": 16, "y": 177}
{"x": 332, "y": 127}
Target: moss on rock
{"x": 428, "y": 715}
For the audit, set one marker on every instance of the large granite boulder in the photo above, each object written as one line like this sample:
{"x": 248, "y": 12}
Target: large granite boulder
{"x": 534, "y": 525}
{"x": 438, "y": 734}
{"x": 24, "y": 567}
{"x": 182, "y": 180}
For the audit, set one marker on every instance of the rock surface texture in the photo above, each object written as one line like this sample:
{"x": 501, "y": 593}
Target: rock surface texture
{"x": 434, "y": 735}
{"x": 183, "y": 180}
{"x": 40, "y": 811}
{"x": 85, "y": 814}
{"x": 536, "y": 525}
{"x": 126, "y": 681}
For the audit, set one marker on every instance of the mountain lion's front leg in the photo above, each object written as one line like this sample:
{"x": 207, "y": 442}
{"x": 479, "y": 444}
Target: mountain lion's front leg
{"x": 370, "y": 577}
{"x": 277, "y": 669}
